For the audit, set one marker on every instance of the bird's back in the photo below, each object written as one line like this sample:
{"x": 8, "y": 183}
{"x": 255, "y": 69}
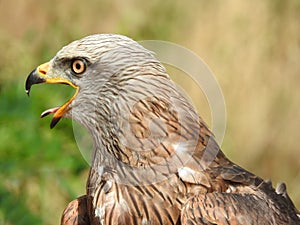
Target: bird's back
{"x": 218, "y": 193}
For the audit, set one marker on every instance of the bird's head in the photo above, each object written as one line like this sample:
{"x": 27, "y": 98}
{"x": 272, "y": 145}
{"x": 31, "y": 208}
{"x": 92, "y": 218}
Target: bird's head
{"x": 99, "y": 67}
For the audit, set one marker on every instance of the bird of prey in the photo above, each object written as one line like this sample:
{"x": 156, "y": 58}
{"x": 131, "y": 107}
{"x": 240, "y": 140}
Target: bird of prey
{"x": 154, "y": 160}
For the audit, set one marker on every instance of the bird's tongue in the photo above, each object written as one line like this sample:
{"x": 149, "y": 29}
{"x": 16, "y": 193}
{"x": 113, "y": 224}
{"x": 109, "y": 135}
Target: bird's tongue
{"x": 49, "y": 111}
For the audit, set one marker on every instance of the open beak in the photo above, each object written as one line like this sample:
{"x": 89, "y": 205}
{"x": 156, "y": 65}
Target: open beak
{"x": 39, "y": 75}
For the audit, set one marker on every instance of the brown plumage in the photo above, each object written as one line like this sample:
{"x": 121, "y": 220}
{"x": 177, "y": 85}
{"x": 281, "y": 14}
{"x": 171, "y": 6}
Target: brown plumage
{"x": 154, "y": 161}
{"x": 76, "y": 212}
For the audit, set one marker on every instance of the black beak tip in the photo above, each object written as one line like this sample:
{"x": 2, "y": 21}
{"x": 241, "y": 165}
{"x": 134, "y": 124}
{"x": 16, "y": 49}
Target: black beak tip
{"x": 33, "y": 78}
{"x": 54, "y": 121}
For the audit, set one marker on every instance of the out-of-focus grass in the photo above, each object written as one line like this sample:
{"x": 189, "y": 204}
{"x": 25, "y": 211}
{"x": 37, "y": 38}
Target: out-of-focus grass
{"x": 253, "y": 47}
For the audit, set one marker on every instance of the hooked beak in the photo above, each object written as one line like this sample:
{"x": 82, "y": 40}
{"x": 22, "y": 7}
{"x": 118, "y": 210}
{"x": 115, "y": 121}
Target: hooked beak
{"x": 39, "y": 75}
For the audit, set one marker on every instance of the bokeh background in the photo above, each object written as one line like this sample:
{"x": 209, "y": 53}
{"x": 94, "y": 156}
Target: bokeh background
{"x": 253, "y": 48}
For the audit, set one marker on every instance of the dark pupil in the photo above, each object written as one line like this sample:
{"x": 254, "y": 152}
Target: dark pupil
{"x": 78, "y": 66}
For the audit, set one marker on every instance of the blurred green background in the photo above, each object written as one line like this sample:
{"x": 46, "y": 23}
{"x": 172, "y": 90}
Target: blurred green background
{"x": 253, "y": 48}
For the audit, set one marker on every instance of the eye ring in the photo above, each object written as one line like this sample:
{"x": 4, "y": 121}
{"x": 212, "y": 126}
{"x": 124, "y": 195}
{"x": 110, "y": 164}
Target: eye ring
{"x": 78, "y": 66}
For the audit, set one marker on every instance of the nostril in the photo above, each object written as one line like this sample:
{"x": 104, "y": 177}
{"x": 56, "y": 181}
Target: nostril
{"x": 41, "y": 71}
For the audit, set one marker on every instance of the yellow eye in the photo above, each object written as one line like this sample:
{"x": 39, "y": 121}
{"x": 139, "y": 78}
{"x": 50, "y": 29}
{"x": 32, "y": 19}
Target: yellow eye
{"x": 78, "y": 66}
